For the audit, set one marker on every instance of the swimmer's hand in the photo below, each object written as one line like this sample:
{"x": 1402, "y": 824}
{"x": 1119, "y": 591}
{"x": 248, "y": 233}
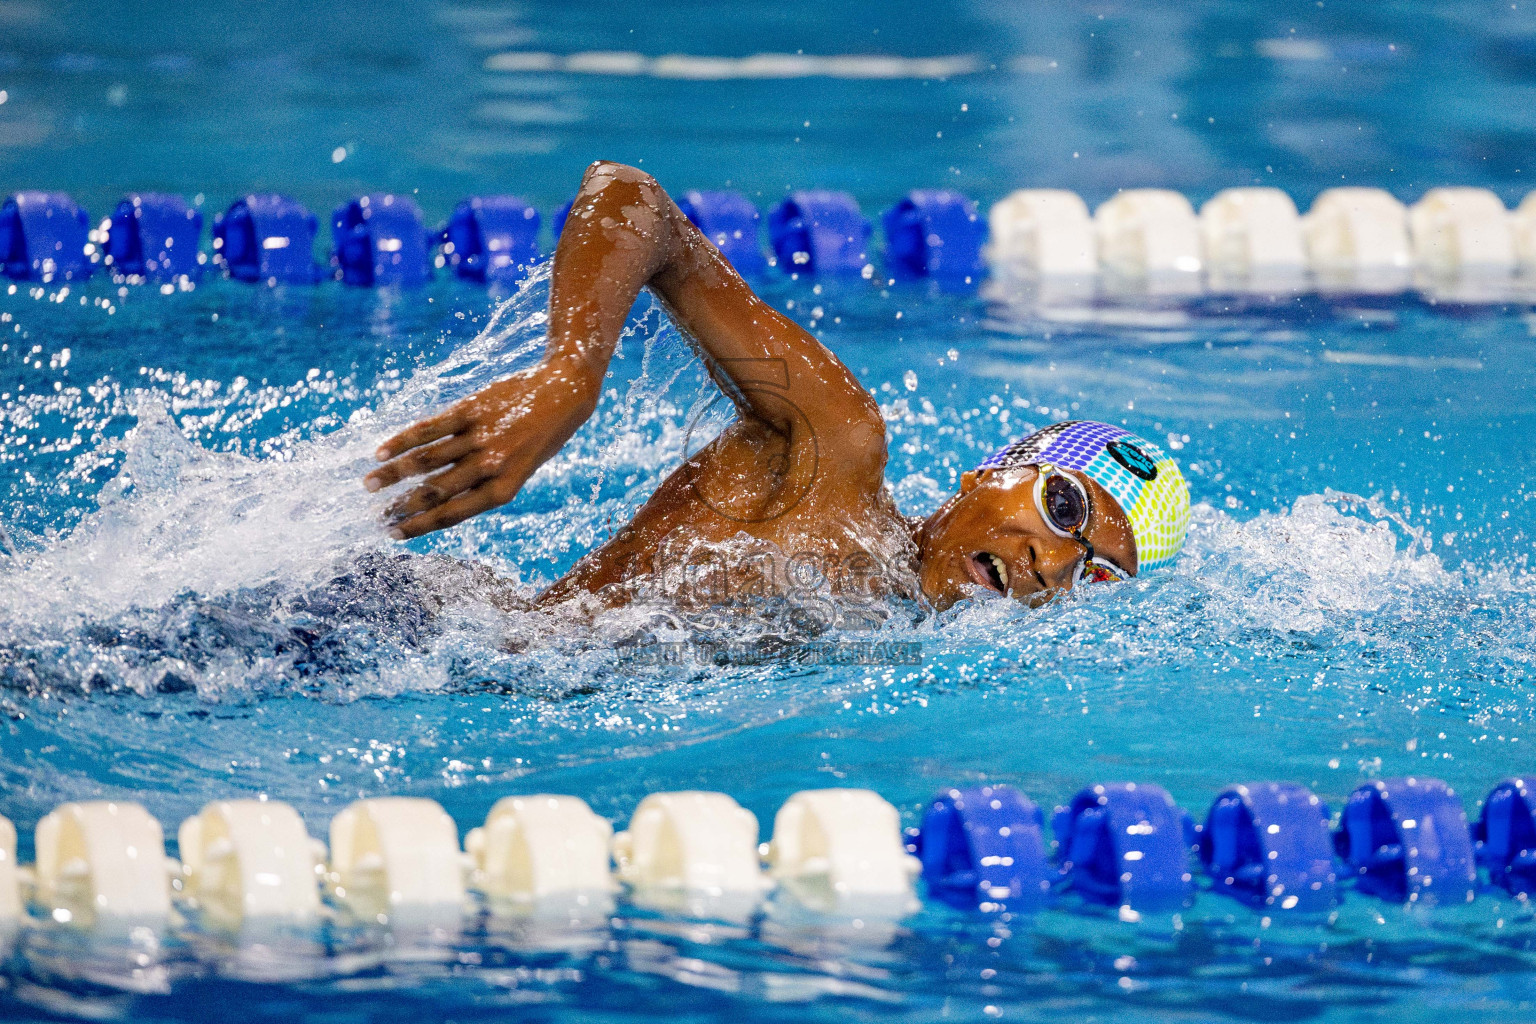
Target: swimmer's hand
{"x": 482, "y": 450}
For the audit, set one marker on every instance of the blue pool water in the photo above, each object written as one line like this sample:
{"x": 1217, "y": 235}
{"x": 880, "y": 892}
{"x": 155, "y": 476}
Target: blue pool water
{"x": 200, "y": 602}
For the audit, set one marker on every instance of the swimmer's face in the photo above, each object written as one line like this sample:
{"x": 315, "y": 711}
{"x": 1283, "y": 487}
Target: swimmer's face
{"x": 992, "y": 537}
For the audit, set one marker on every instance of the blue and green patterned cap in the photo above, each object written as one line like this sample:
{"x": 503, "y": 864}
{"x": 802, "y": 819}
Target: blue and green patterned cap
{"x": 1137, "y": 473}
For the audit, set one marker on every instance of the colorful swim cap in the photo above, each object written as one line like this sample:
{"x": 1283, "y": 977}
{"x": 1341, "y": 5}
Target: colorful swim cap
{"x": 1137, "y": 473}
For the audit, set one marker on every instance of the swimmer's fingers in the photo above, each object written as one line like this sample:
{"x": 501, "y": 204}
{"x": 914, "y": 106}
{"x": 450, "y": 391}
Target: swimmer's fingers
{"x": 420, "y": 460}
{"x": 430, "y": 429}
{"x": 442, "y": 487}
{"x": 450, "y": 513}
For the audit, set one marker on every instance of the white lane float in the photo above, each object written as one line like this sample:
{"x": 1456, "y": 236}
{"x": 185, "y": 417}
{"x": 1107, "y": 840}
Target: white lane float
{"x": 1351, "y": 228}
{"x": 251, "y": 860}
{"x": 10, "y": 877}
{"x": 691, "y": 842}
{"x": 397, "y": 855}
{"x": 103, "y": 860}
{"x": 1523, "y": 224}
{"x": 1148, "y": 232}
{"x": 1357, "y": 240}
{"x": 1253, "y": 235}
{"x": 842, "y": 849}
{"x": 1046, "y": 231}
{"x": 536, "y": 847}
{"x": 1458, "y": 230}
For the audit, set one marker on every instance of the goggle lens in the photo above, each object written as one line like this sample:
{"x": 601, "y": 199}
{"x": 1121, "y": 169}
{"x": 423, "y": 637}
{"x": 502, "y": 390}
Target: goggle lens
{"x": 1097, "y": 571}
{"x": 1065, "y": 503}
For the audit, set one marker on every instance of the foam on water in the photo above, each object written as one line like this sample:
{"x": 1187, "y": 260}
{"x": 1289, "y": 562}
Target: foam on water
{"x": 177, "y": 516}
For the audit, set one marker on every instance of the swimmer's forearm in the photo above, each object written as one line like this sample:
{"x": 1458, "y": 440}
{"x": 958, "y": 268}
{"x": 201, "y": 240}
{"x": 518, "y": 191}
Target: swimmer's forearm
{"x": 625, "y": 233}
{"x": 616, "y": 238}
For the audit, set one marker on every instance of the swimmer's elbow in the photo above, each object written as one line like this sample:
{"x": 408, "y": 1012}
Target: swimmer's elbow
{"x": 615, "y": 169}
{"x": 617, "y": 195}
{"x": 600, "y": 173}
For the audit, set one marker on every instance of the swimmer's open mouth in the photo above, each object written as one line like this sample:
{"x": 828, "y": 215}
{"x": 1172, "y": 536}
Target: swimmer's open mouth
{"x": 988, "y": 570}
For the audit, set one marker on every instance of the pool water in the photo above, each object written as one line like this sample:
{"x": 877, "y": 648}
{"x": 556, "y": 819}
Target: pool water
{"x": 197, "y": 600}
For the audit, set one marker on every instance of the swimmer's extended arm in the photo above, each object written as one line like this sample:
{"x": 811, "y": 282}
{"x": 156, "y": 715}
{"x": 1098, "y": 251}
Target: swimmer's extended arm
{"x": 624, "y": 233}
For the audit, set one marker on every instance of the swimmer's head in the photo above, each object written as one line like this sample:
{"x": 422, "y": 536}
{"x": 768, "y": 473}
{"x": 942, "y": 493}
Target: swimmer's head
{"x": 1077, "y": 501}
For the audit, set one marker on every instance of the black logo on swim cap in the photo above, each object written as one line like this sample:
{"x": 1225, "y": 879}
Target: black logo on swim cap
{"x": 1133, "y": 459}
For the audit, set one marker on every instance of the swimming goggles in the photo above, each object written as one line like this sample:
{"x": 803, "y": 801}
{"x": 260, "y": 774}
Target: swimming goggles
{"x": 1065, "y": 505}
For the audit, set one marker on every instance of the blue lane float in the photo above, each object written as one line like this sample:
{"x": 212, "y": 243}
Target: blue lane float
{"x": 1407, "y": 840}
{"x": 984, "y": 846}
{"x": 1126, "y": 844}
{"x": 492, "y": 238}
{"x": 267, "y": 238}
{"x": 730, "y": 221}
{"x": 1505, "y": 837}
{"x": 43, "y": 237}
{"x": 156, "y": 236}
{"x": 819, "y": 232}
{"x": 935, "y": 233}
{"x": 1267, "y": 844}
{"x": 381, "y": 242}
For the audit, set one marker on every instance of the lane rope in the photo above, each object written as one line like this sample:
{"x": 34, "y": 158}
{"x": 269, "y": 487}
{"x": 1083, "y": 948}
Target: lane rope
{"x": 835, "y": 851}
{"x": 1459, "y": 242}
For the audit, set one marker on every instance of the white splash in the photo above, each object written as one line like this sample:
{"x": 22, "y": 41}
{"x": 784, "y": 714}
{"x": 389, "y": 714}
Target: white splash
{"x": 178, "y": 517}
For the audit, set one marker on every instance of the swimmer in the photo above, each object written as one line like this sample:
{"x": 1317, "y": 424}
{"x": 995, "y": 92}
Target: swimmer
{"x": 802, "y": 467}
